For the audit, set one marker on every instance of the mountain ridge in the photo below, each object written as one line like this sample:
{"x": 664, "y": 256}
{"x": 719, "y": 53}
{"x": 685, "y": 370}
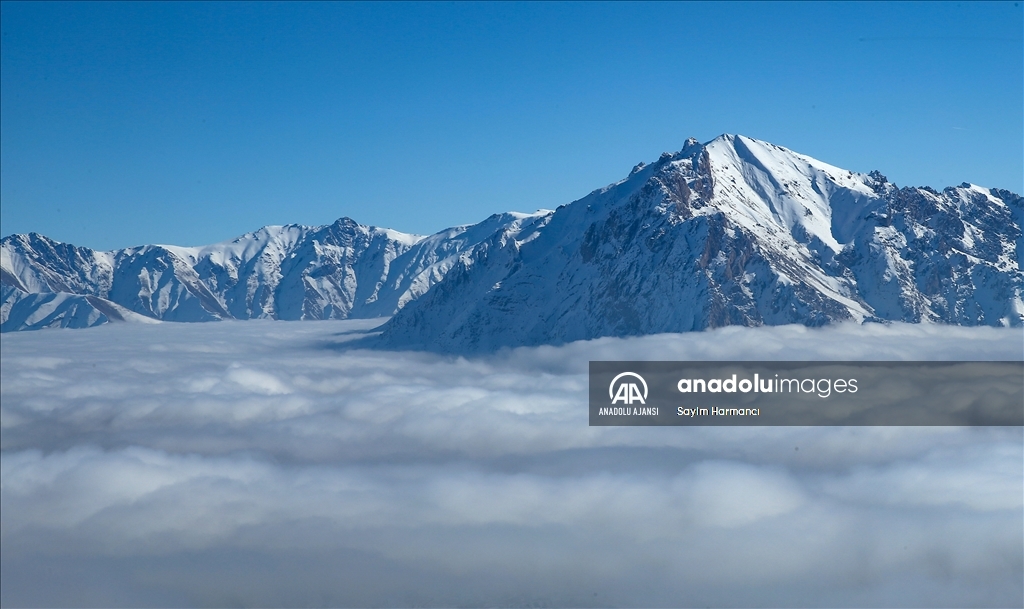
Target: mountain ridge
{"x": 736, "y": 231}
{"x": 338, "y": 270}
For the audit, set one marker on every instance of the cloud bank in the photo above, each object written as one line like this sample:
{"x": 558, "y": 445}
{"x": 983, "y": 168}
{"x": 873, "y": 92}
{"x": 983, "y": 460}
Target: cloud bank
{"x": 273, "y": 464}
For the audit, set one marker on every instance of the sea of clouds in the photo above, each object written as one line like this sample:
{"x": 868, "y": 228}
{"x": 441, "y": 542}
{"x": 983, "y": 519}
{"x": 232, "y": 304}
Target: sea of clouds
{"x": 278, "y": 464}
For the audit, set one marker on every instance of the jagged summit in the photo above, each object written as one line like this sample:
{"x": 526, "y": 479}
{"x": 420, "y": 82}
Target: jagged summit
{"x": 736, "y": 231}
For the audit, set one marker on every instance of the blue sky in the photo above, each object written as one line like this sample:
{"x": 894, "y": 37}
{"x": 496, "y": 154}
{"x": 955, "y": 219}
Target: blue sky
{"x": 131, "y": 123}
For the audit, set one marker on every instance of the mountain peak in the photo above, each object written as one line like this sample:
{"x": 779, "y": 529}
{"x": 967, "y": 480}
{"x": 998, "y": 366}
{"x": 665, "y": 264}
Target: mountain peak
{"x": 734, "y": 232}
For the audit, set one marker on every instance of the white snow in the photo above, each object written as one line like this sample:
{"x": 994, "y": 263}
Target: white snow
{"x": 765, "y": 185}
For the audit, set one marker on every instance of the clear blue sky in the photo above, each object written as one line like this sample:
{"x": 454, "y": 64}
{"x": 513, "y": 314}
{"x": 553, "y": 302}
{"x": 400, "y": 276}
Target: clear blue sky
{"x": 131, "y": 123}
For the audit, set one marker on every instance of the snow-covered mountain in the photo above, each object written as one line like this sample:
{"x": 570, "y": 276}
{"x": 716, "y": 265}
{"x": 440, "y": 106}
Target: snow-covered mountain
{"x": 733, "y": 232}
{"x": 280, "y": 272}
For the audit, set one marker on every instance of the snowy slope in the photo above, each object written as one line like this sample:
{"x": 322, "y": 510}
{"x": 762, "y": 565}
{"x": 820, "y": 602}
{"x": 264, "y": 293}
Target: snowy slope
{"x": 24, "y": 311}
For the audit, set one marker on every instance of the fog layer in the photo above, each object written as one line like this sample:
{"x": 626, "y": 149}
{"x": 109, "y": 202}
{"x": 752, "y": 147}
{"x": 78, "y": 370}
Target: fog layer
{"x": 274, "y": 464}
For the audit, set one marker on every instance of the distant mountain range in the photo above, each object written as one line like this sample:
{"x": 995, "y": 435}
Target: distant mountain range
{"x": 733, "y": 232}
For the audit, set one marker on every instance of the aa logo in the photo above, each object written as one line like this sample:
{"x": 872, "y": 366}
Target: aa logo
{"x": 623, "y": 391}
